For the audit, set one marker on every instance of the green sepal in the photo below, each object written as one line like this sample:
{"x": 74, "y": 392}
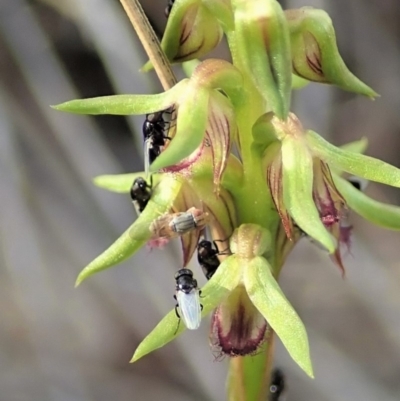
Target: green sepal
{"x": 262, "y": 38}
{"x": 222, "y": 10}
{"x": 192, "y": 31}
{"x": 378, "y": 213}
{"x": 299, "y": 82}
{"x": 121, "y": 183}
{"x": 217, "y": 288}
{"x": 220, "y": 74}
{"x": 269, "y": 299}
{"x": 297, "y": 175}
{"x": 263, "y": 133}
{"x": 125, "y": 104}
{"x": 190, "y": 128}
{"x": 359, "y": 146}
{"x": 315, "y": 55}
{"x": 354, "y": 163}
{"x": 138, "y": 233}
{"x": 189, "y": 67}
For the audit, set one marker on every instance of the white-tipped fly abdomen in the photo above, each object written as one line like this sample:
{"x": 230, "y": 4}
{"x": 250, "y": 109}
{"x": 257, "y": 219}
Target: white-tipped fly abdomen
{"x": 190, "y": 308}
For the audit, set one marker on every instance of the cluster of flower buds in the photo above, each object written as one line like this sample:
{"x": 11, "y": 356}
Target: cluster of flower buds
{"x": 238, "y": 161}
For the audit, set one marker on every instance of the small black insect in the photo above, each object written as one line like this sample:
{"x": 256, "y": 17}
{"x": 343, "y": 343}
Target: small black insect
{"x": 154, "y": 130}
{"x": 187, "y": 296}
{"x": 277, "y": 385}
{"x": 168, "y": 8}
{"x": 358, "y": 183}
{"x": 141, "y": 193}
{"x": 207, "y": 257}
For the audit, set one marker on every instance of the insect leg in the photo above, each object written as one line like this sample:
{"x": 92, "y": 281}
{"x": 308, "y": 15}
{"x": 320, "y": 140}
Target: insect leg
{"x": 226, "y": 251}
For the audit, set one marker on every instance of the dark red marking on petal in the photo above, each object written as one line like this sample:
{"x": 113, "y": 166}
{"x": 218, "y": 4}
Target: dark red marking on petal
{"x": 238, "y": 332}
{"x": 185, "y": 56}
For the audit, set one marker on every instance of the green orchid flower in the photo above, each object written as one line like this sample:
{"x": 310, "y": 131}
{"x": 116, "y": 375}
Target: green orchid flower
{"x": 236, "y": 158}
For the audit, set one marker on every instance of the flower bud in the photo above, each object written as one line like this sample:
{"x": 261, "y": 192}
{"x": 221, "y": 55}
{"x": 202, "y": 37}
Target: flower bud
{"x": 315, "y": 55}
{"x": 262, "y": 37}
{"x": 192, "y": 31}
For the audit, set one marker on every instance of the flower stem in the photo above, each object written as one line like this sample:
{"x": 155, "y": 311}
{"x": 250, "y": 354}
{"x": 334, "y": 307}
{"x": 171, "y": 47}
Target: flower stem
{"x": 150, "y": 42}
{"x": 249, "y": 377}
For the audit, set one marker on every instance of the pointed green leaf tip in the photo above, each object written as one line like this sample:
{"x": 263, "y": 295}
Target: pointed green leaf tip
{"x": 221, "y": 284}
{"x": 269, "y": 299}
{"x": 378, "y": 213}
{"x": 124, "y": 104}
{"x": 297, "y": 174}
{"x": 359, "y": 146}
{"x": 138, "y": 233}
{"x": 354, "y": 163}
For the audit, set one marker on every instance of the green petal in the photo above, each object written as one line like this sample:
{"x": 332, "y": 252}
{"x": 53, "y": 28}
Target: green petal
{"x": 314, "y": 51}
{"x": 297, "y": 174}
{"x": 192, "y": 31}
{"x": 262, "y": 37}
{"x": 120, "y": 183}
{"x": 190, "y": 128}
{"x": 124, "y": 104}
{"x": 222, "y": 10}
{"x": 359, "y": 146}
{"x": 379, "y": 213}
{"x": 269, "y": 299}
{"x": 298, "y": 82}
{"x": 354, "y": 163}
{"x": 220, "y": 74}
{"x": 221, "y": 284}
{"x": 138, "y": 233}
{"x": 263, "y": 133}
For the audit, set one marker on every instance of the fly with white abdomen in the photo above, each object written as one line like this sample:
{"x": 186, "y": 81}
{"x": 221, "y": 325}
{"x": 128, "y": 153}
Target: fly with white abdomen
{"x": 187, "y": 296}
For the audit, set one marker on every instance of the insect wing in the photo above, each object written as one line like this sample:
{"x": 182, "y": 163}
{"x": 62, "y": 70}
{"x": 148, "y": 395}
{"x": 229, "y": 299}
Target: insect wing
{"x": 148, "y": 143}
{"x": 189, "y": 305}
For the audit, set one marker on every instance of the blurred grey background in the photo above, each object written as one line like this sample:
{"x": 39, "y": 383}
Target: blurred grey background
{"x": 62, "y": 344}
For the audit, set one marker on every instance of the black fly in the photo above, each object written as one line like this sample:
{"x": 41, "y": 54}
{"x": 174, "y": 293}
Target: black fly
{"x": 168, "y": 8}
{"x": 277, "y": 385}
{"x": 358, "y": 183}
{"x": 207, "y": 257}
{"x": 187, "y": 296}
{"x": 154, "y": 135}
{"x": 141, "y": 193}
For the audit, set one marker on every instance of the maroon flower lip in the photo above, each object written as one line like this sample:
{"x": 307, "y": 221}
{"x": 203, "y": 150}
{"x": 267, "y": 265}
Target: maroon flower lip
{"x": 238, "y": 341}
{"x": 237, "y": 328}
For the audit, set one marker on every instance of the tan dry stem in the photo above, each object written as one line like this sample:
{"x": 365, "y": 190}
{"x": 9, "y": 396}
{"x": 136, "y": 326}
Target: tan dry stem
{"x": 150, "y": 42}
